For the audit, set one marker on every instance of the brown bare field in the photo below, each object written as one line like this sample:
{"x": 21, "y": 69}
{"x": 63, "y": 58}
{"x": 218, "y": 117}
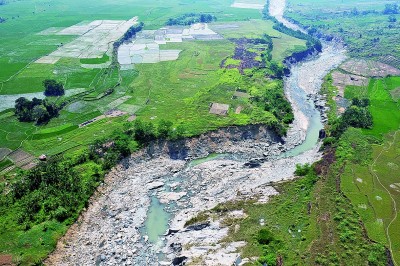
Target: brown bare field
{"x": 341, "y": 80}
{"x": 369, "y": 68}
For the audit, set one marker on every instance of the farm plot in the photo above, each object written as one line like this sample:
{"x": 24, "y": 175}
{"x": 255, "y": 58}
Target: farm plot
{"x": 368, "y": 68}
{"x": 4, "y": 152}
{"x": 114, "y": 104}
{"x": 94, "y": 39}
{"x": 145, "y": 48}
{"x": 22, "y": 159}
{"x": 341, "y": 80}
{"x": 284, "y": 45}
{"x": 374, "y": 189}
{"x": 249, "y": 4}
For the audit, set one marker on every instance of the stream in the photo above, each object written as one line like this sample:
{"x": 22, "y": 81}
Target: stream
{"x": 307, "y": 123}
{"x": 139, "y": 216}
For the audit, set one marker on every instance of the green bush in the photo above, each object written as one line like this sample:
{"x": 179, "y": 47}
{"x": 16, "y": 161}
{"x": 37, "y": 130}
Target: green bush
{"x": 302, "y": 170}
{"x": 61, "y": 214}
{"x": 265, "y": 237}
{"x": 269, "y": 259}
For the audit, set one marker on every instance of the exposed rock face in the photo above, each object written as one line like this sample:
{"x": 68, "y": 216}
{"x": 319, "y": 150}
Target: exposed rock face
{"x": 108, "y": 233}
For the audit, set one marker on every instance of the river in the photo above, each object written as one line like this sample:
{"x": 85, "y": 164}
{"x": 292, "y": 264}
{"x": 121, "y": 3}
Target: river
{"x": 151, "y": 193}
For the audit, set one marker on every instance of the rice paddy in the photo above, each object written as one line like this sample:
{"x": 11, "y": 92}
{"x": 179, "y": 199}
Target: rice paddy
{"x": 166, "y": 72}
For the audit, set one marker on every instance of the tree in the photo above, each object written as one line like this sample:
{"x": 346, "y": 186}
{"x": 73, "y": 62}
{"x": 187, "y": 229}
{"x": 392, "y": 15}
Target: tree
{"x": 143, "y": 132}
{"x": 37, "y": 110}
{"x": 40, "y": 114}
{"x": 392, "y": 19}
{"x": 21, "y": 103}
{"x": 164, "y": 129}
{"x": 391, "y": 9}
{"x": 53, "y": 88}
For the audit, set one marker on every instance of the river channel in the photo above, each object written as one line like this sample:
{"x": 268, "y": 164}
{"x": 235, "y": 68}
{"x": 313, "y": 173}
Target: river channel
{"x": 138, "y": 217}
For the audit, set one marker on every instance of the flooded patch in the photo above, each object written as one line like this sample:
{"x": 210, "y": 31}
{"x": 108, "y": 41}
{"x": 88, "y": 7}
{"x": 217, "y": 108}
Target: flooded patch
{"x": 157, "y": 222}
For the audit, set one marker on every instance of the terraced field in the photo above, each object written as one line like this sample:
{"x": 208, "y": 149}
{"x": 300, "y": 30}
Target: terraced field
{"x": 369, "y": 31}
{"x": 373, "y": 184}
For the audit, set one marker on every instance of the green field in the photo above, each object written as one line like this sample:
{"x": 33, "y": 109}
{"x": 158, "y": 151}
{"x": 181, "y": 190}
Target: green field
{"x": 193, "y": 80}
{"x": 360, "y": 23}
{"x": 178, "y": 91}
{"x": 371, "y": 184}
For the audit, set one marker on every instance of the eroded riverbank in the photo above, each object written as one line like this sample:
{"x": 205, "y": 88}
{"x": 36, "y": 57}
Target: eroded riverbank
{"x": 114, "y": 230}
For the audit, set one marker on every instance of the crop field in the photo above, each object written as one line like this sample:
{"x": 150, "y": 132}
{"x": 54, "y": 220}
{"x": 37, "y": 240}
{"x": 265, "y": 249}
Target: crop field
{"x": 284, "y": 45}
{"x": 185, "y": 78}
{"x": 195, "y": 78}
{"x": 384, "y": 109}
{"x": 375, "y": 190}
{"x": 360, "y": 23}
{"x": 371, "y": 181}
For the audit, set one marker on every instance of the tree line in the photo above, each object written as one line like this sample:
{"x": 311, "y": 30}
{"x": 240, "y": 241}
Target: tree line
{"x": 61, "y": 187}
{"x": 129, "y": 34}
{"x": 191, "y": 18}
{"x": 37, "y": 110}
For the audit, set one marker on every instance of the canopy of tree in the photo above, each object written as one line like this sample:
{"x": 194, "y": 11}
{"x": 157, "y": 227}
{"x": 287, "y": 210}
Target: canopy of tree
{"x": 191, "y": 18}
{"x": 391, "y": 9}
{"x": 357, "y": 115}
{"x": 53, "y": 88}
{"x": 37, "y": 110}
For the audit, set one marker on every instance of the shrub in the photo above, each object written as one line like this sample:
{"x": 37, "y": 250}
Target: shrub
{"x": 269, "y": 259}
{"x": 265, "y": 237}
{"x": 53, "y": 88}
{"x": 302, "y": 170}
{"x": 60, "y": 214}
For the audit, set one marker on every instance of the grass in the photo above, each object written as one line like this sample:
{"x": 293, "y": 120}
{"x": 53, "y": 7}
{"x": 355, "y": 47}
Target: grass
{"x": 93, "y": 61}
{"x": 284, "y": 45}
{"x": 368, "y": 185}
{"x": 53, "y": 132}
{"x": 384, "y": 109}
{"x": 304, "y": 224}
{"x": 231, "y": 61}
{"x": 369, "y": 35}
{"x": 32, "y": 244}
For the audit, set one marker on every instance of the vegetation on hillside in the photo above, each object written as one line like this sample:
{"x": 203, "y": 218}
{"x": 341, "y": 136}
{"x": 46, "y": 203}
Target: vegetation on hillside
{"x": 368, "y": 30}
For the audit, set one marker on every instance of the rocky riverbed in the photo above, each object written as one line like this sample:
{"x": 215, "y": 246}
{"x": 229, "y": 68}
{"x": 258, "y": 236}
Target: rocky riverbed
{"x": 115, "y": 228}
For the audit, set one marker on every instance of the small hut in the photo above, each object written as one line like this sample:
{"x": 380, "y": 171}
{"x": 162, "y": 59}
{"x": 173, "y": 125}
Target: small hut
{"x": 43, "y": 157}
